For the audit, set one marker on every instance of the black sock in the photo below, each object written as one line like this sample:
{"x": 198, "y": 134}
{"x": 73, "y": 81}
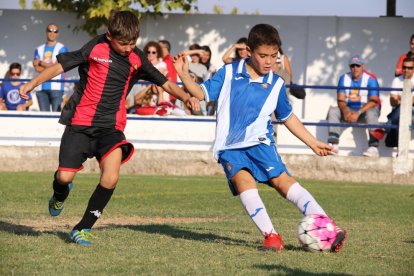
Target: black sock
{"x": 61, "y": 192}
{"x": 97, "y": 203}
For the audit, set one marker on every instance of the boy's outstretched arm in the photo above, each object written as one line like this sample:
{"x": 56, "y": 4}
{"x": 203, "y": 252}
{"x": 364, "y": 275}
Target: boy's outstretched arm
{"x": 176, "y": 91}
{"x": 181, "y": 65}
{"x": 298, "y": 129}
{"x": 45, "y": 75}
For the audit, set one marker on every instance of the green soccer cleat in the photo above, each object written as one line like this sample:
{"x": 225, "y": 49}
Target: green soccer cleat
{"x": 55, "y": 206}
{"x": 81, "y": 237}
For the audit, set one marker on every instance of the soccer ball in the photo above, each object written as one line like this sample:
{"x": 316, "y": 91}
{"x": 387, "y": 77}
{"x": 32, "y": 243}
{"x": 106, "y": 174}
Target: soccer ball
{"x": 317, "y": 233}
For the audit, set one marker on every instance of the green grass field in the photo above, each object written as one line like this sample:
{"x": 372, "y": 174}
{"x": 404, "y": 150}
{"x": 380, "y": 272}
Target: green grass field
{"x": 193, "y": 226}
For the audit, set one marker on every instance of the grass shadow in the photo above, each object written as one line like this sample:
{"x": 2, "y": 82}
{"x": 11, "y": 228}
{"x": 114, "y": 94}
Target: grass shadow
{"x": 182, "y": 233}
{"x": 276, "y": 269}
{"x": 23, "y": 230}
{"x": 18, "y": 229}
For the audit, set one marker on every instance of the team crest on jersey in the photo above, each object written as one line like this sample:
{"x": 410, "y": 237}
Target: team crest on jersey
{"x": 229, "y": 167}
{"x": 354, "y": 95}
{"x": 264, "y": 85}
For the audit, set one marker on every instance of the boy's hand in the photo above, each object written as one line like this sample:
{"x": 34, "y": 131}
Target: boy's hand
{"x": 193, "y": 103}
{"x": 24, "y": 89}
{"x": 321, "y": 148}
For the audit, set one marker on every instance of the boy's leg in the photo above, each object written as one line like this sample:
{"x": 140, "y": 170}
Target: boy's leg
{"x": 245, "y": 185}
{"x": 295, "y": 193}
{"x": 109, "y": 177}
{"x": 61, "y": 189}
{"x": 304, "y": 201}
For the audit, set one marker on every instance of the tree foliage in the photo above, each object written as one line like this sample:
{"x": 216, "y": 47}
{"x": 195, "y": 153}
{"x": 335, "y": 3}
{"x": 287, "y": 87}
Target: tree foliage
{"x": 95, "y": 13}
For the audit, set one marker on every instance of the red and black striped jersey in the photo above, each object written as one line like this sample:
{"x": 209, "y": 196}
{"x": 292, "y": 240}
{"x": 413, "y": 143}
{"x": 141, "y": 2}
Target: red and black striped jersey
{"x": 106, "y": 78}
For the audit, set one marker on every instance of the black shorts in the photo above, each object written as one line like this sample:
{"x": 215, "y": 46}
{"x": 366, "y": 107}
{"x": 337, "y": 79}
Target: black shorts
{"x": 81, "y": 142}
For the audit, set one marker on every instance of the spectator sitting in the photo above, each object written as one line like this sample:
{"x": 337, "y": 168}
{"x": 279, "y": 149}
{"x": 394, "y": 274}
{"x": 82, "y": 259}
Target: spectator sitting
{"x": 398, "y": 68}
{"x": 211, "y": 68}
{"x": 168, "y": 59}
{"x": 239, "y": 49}
{"x": 282, "y": 67}
{"x": 198, "y": 68}
{"x": 197, "y": 79}
{"x": 9, "y": 91}
{"x": 395, "y": 99}
{"x": 356, "y": 105}
{"x": 206, "y": 60}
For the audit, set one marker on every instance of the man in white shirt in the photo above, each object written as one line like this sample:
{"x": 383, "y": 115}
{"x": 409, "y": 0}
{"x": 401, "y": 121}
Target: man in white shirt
{"x": 395, "y": 99}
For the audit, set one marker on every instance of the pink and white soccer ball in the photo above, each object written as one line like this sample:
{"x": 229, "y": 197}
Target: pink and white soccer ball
{"x": 317, "y": 233}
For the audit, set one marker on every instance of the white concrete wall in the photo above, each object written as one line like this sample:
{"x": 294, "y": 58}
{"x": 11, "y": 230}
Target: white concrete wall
{"x": 319, "y": 48}
{"x": 189, "y": 133}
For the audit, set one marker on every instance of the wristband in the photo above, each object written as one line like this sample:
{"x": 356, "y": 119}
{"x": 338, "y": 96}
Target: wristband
{"x": 360, "y": 111}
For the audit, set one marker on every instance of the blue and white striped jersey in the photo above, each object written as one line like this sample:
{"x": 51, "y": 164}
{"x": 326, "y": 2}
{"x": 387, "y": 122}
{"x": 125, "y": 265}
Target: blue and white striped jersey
{"x": 245, "y": 106}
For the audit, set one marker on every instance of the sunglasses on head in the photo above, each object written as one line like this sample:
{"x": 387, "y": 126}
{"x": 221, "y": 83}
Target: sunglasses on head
{"x": 408, "y": 67}
{"x": 354, "y": 65}
{"x": 52, "y": 30}
{"x": 15, "y": 74}
{"x": 151, "y": 52}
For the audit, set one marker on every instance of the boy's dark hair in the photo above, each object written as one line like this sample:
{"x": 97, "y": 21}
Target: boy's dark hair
{"x": 123, "y": 25}
{"x": 263, "y": 34}
{"x": 15, "y": 65}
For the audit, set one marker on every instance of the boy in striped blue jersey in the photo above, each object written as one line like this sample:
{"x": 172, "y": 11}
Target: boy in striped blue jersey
{"x": 247, "y": 93}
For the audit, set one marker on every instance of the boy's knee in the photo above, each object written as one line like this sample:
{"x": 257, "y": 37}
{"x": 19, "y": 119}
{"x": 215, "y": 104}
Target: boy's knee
{"x": 64, "y": 177}
{"x": 109, "y": 181}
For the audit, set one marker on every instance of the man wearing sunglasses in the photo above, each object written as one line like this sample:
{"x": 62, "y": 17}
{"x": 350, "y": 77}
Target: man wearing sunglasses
{"x": 356, "y": 105}
{"x": 395, "y": 100}
{"x": 51, "y": 93}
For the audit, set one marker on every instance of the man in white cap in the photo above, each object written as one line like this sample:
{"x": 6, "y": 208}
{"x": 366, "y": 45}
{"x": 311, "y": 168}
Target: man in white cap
{"x": 356, "y": 105}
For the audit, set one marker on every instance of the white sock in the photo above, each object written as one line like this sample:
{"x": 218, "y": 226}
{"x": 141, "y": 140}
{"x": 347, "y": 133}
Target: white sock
{"x": 304, "y": 200}
{"x": 255, "y": 208}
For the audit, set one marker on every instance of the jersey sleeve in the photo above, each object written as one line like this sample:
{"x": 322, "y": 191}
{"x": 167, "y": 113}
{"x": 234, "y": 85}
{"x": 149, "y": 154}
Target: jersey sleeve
{"x": 212, "y": 87}
{"x": 70, "y": 60}
{"x": 283, "y": 109}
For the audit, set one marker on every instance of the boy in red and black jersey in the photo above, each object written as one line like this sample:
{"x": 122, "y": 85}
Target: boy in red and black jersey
{"x": 95, "y": 116}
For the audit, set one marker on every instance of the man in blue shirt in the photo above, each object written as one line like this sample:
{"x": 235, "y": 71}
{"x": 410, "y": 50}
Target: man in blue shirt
{"x": 356, "y": 105}
{"x": 247, "y": 93}
{"x": 45, "y": 56}
{"x": 9, "y": 91}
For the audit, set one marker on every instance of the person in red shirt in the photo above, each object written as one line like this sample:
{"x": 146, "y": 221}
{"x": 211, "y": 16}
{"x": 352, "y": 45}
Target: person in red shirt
{"x": 95, "y": 115}
{"x": 398, "y": 67}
